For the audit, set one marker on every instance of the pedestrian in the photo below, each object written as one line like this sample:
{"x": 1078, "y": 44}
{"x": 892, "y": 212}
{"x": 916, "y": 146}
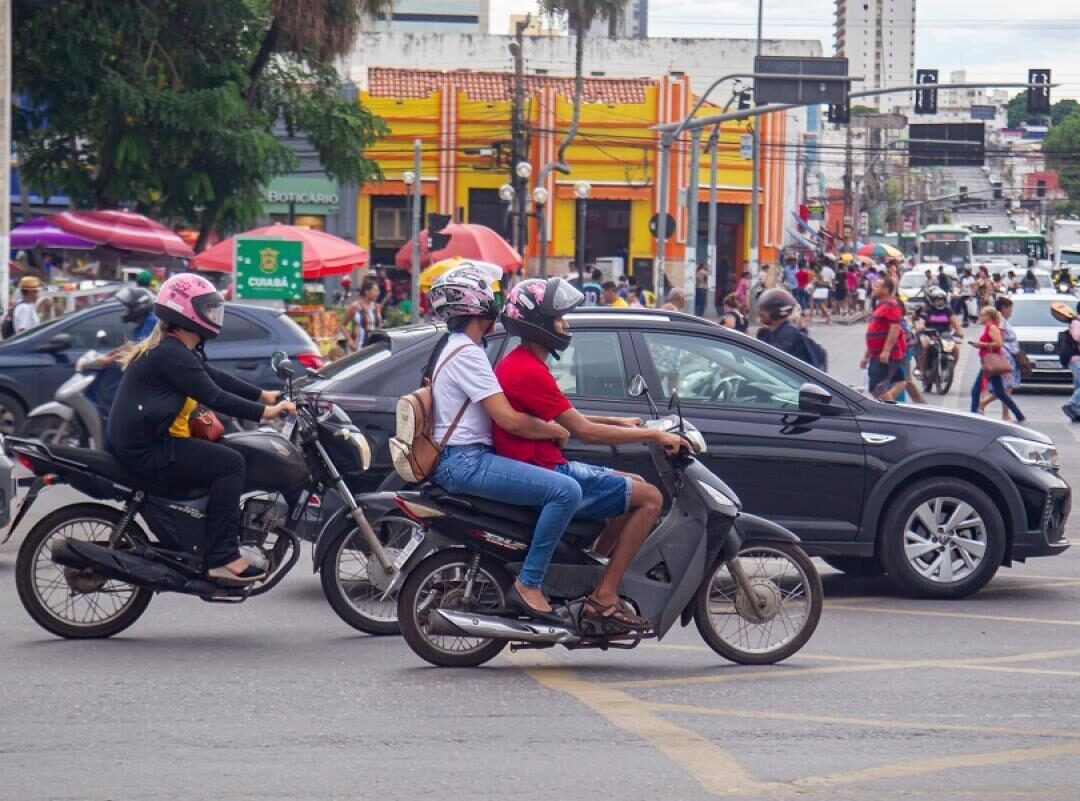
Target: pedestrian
{"x": 1011, "y": 349}
{"x": 840, "y": 288}
{"x": 991, "y": 343}
{"x": 742, "y": 291}
{"x": 365, "y": 315}
{"x": 593, "y": 288}
{"x": 623, "y": 287}
{"x": 822, "y": 292}
{"x": 25, "y": 316}
{"x": 733, "y": 316}
{"x": 885, "y": 345}
{"x": 701, "y": 289}
{"x": 1072, "y": 408}
{"x": 633, "y": 300}
{"x": 676, "y": 300}
{"x": 611, "y": 296}
{"x": 802, "y": 281}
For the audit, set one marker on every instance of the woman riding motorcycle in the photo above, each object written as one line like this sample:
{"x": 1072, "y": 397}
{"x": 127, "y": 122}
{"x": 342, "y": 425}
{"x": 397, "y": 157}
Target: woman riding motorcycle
{"x": 165, "y": 378}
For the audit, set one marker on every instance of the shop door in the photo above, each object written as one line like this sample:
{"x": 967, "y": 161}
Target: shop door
{"x": 485, "y": 208}
{"x": 607, "y": 230}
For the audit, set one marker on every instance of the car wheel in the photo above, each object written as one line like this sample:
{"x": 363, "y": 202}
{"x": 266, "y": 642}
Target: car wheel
{"x": 12, "y": 414}
{"x": 942, "y": 538}
{"x": 857, "y": 566}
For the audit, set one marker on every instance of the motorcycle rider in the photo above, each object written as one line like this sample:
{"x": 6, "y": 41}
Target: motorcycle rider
{"x": 775, "y": 310}
{"x": 165, "y": 377}
{"x": 535, "y": 312}
{"x": 935, "y": 315}
{"x": 138, "y": 309}
{"x": 466, "y": 398}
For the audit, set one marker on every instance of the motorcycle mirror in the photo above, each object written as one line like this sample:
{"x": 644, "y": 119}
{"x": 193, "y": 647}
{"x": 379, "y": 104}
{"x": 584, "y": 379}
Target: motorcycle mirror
{"x": 55, "y": 344}
{"x": 637, "y": 388}
{"x": 674, "y": 401}
{"x": 285, "y": 369}
{"x": 276, "y": 358}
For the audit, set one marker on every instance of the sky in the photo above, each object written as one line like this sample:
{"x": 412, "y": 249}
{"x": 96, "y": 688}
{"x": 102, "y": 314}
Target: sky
{"x": 994, "y": 40}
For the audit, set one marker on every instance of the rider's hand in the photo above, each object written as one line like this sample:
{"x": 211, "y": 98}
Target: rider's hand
{"x": 671, "y": 443}
{"x": 276, "y": 410}
{"x": 560, "y": 435}
{"x": 269, "y": 396}
{"x": 625, "y": 422}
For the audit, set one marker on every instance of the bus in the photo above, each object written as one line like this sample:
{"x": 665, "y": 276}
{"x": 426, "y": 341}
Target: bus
{"x": 1017, "y": 248}
{"x": 948, "y": 244}
{"x": 906, "y": 243}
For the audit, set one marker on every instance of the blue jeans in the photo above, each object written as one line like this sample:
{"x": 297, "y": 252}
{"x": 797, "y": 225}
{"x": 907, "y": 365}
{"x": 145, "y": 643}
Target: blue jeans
{"x": 1074, "y": 401}
{"x": 476, "y": 470}
{"x": 997, "y": 386}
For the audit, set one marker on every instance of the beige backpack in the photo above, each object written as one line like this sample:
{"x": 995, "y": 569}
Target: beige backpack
{"x": 413, "y": 450}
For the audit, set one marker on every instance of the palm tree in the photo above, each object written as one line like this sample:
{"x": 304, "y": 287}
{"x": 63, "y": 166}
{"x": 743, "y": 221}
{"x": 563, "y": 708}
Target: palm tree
{"x": 580, "y": 15}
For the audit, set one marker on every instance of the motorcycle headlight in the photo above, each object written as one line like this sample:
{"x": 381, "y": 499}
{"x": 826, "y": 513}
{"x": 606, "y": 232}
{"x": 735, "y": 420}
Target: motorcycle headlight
{"x": 718, "y": 500}
{"x": 693, "y": 436}
{"x": 1031, "y": 452}
{"x": 358, "y": 441}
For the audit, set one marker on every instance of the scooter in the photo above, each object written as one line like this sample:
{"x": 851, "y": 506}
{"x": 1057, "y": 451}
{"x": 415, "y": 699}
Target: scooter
{"x": 751, "y": 590}
{"x": 89, "y": 570}
{"x": 75, "y": 416}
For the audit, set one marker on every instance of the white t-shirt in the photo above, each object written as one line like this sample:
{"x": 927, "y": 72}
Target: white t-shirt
{"x": 24, "y": 316}
{"x": 468, "y": 375}
{"x": 828, "y": 275}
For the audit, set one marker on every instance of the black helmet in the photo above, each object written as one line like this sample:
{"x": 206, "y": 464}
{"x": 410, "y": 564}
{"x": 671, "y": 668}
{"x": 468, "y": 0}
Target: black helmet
{"x": 533, "y": 306}
{"x": 777, "y": 303}
{"x": 138, "y": 302}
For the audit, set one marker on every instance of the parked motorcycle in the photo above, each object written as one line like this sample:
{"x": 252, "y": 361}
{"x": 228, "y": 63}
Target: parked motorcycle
{"x": 941, "y": 356}
{"x": 89, "y": 570}
{"x": 752, "y": 592}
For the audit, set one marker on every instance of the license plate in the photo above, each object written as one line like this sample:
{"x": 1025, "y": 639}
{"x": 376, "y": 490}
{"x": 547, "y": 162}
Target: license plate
{"x": 407, "y": 551}
{"x": 288, "y": 428}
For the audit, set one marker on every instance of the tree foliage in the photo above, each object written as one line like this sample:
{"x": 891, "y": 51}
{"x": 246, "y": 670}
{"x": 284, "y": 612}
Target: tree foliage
{"x": 1017, "y": 112}
{"x": 170, "y": 106}
{"x": 1062, "y": 150}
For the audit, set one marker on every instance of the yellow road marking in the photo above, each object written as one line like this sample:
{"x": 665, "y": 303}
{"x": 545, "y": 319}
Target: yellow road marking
{"x": 961, "y": 615}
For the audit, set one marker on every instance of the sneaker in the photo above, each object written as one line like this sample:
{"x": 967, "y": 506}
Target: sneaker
{"x": 223, "y": 575}
{"x": 1070, "y": 412}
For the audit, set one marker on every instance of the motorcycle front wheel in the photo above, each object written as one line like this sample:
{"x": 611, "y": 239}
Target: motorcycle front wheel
{"x": 945, "y": 377}
{"x": 777, "y": 621}
{"x": 76, "y": 604}
{"x": 55, "y": 430}
{"x": 441, "y": 581}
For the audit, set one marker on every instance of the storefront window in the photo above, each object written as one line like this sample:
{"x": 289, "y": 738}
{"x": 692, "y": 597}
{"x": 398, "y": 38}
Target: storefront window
{"x": 316, "y": 222}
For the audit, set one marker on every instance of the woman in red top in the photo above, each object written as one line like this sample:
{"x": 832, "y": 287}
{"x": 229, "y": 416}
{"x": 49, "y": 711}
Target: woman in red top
{"x": 991, "y": 341}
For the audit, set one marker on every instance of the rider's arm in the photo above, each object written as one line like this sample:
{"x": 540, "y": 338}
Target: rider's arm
{"x": 522, "y": 425}
{"x": 592, "y": 433}
{"x": 188, "y": 375}
{"x": 237, "y": 386}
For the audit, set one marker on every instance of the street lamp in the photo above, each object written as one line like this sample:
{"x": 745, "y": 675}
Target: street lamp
{"x": 506, "y": 193}
{"x": 412, "y": 181}
{"x": 582, "y": 190}
{"x": 523, "y": 170}
{"x": 540, "y": 199}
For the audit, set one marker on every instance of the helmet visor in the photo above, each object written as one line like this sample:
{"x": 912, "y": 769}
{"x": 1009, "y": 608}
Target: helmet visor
{"x": 211, "y": 308}
{"x": 566, "y": 297}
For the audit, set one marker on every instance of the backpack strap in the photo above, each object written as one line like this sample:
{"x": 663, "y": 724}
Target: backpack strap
{"x": 461, "y": 412}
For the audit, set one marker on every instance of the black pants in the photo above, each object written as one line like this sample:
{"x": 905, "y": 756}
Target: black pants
{"x": 701, "y": 296}
{"x": 199, "y": 463}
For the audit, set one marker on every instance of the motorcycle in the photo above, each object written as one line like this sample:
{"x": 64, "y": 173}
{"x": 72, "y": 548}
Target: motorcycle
{"x": 941, "y": 357}
{"x": 89, "y": 570}
{"x": 751, "y": 590}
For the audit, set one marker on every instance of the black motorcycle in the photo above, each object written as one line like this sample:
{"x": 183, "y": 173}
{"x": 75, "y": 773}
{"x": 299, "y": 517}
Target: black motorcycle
{"x": 941, "y": 355}
{"x": 89, "y": 570}
{"x": 745, "y": 582}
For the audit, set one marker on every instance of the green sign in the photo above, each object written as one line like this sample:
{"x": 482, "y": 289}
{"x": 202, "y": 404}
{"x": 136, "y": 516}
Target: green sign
{"x": 269, "y": 269}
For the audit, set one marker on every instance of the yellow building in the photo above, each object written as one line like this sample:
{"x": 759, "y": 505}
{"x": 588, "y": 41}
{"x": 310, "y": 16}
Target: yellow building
{"x": 463, "y": 120}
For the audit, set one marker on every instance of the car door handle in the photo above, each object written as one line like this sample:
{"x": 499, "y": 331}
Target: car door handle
{"x": 878, "y": 439}
{"x": 247, "y": 366}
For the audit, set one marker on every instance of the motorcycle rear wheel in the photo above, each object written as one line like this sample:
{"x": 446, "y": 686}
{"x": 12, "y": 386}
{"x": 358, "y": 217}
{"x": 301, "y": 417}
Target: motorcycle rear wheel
{"x": 94, "y": 607}
{"x": 434, "y": 584}
{"x": 789, "y": 593}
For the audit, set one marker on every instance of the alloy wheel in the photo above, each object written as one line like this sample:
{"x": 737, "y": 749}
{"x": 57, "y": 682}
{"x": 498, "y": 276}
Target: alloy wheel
{"x": 945, "y": 540}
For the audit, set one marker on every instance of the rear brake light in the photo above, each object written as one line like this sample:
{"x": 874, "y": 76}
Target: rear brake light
{"x": 25, "y": 462}
{"x": 312, "y": 361}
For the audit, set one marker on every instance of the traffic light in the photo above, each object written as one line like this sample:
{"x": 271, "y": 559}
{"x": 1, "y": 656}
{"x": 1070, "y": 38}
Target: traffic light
{"x": 745, "y": 98}
{"x": 1038, "y": 97}
{"x": 926, "y": 99}
{"x": 437, "y": 240}
{"x": 840, "y": 113}
{"x": 964, "y": 194}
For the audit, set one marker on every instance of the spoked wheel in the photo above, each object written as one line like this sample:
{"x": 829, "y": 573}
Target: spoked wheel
{"x": 441, "y": 581}
{"x": 777, "y": 621}
{"x": 78, "y": 604}
{"x": 354, "y": 581}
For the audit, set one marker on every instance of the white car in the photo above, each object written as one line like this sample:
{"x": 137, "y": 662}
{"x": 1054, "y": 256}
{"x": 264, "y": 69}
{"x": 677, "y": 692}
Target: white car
{"x": 1038, "y": 331}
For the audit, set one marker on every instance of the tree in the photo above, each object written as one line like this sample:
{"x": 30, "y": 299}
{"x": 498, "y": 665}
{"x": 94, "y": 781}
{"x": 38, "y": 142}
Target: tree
{"x": 1016, "y": 111}
{"x": 580, "y": 16}
{"x": 170, "y": 106}
{"x": 1062, "y": 150}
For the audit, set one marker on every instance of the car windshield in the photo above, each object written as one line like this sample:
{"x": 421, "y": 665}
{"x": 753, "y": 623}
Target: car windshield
{"x": 912, "y": 280}
{"x": 1032, "y": 313}
{"x": 946, "y": 251}
{"x": 1070, "y": 257}
{"x": 355, "y": 363}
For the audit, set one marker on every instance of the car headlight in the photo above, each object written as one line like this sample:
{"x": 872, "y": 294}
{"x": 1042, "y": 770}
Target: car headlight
{"x": 720, "y": 501}
{"x": 1029, "y": 451}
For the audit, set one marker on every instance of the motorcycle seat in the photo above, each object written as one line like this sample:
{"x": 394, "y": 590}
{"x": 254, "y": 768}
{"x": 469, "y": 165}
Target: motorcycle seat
{"x": 520, "y": 515}
{"x": 104, "y": 464}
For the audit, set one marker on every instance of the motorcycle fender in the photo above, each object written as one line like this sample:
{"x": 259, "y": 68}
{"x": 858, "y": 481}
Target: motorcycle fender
{"x": 753, "y": 528}
{"x": 61, "y": 410}
{"x": 375, "y": 506}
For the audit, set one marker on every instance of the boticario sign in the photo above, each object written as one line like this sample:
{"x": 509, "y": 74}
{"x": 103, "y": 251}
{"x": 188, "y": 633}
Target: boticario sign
{"x": 268, "y": 269}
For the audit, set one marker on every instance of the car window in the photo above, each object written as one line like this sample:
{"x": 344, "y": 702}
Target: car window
{"x": 707, "y": 370}
{"x": 84, "y": 332}
{"x": 1033, "y": 313}
{"x": 359, "y": 362}
{"x": 238, "y": 328}
{"x": 591, "y": 367}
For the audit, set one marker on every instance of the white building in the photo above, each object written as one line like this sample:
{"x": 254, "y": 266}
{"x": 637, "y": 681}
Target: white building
{"x": 633, "y": 23}
{"x": 878, "y": 39}
{"x": 441, "y": 16}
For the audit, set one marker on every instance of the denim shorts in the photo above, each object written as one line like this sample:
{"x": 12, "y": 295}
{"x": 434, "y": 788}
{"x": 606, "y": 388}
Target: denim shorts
{"x": 604, "y": 494}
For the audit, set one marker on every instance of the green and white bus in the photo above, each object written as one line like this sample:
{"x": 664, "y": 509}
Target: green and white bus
{"x": 948, "y": 244}
{"x": 1016, "y": 248}
{"x": 907, "y": 243}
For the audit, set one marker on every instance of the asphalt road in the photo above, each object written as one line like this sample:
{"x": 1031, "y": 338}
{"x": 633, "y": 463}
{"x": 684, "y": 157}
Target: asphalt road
{"x": 277, "y": 699}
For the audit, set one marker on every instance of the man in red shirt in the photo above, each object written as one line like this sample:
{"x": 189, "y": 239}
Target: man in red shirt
{"x": 534, "y": 312}
{"x": 885, "y": 344}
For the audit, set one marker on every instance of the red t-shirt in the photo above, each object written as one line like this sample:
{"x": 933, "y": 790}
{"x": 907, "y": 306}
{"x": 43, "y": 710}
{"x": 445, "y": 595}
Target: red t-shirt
{"x": 887, "y": 314}
{"x": 802, "y": 278}
{"x": 531, "y": 389}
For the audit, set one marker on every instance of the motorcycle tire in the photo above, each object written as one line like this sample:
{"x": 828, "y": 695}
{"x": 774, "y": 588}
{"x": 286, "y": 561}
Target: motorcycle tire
{"x": 945, "y": 378}
{"x": 812, "y": 591}
{"x": 389, "y": 530}
{"x": 412, "y": 627}
{"x": 30, "y": 594}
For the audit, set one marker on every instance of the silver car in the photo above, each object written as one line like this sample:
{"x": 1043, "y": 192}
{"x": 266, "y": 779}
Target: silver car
{"x": 1038, "y": 331}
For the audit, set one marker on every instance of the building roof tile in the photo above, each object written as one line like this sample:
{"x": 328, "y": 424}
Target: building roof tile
{"x": 495, "y": 86}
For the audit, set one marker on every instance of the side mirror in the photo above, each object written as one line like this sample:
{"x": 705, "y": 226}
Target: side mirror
{"x": 55, "y": 344}
{"x": 814, "y": 400}
{"x": 276, "y": 358}
{"x": 637, "y": 387}
{"x": 285, "y": 369}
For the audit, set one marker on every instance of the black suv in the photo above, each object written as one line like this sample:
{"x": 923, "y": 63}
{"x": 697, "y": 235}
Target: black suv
{"x": 937, "y": 499}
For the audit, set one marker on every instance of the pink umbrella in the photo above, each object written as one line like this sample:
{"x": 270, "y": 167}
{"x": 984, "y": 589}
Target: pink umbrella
{"x": 123, "y": 230}
{"x": 468, "y": 241}
{"x": 40, "y": 233}
{"x": 324, "y": 254}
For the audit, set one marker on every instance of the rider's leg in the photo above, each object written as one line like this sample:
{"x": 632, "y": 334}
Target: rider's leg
{"x": 605, "y": 543}
{"x": 645, "y": 504}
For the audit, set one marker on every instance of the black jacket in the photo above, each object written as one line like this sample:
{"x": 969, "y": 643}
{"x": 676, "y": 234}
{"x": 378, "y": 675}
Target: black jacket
{"x": 153, "y": 391}
{"x": 786, "y": 338}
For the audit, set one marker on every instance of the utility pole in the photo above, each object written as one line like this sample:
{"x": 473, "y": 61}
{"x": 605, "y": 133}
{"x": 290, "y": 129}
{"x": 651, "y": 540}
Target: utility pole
{"x": 518, "y": 147}
{"x": 416, "y": 201}
{"x": 849, "y": 167}
{"x": 5, "y": 150}
{"x": 714, "y": 147}
{"x": 693, "y": 210}
{"x": 755, "y": 185}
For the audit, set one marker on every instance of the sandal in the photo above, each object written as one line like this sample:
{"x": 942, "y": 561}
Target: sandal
{"x": 597, "y": 619}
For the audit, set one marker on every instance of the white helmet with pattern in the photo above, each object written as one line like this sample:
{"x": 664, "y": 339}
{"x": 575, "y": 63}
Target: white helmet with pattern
{"x": 466, "y": 290}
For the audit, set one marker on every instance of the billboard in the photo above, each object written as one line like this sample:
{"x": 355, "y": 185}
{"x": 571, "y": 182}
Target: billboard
{"x": 950, "y": 144}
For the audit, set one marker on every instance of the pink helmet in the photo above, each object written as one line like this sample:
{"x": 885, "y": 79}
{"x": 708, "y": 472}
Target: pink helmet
{"x": 192, "y": 303}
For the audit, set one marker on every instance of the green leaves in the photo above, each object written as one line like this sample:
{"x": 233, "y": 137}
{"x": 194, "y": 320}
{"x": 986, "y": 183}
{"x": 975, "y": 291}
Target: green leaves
{"x": 1062, "y": 150}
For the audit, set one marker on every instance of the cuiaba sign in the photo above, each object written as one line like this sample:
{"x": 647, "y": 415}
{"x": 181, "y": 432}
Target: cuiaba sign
{"x": 268, "y": 269}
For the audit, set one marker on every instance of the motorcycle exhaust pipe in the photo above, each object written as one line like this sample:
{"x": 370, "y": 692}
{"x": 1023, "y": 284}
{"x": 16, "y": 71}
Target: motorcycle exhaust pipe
{"x": 454, "y": 623}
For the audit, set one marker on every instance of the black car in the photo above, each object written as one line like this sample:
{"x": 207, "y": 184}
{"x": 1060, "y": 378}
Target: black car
{"x": 937, "y": 499}
{"x": 34, "y": 363}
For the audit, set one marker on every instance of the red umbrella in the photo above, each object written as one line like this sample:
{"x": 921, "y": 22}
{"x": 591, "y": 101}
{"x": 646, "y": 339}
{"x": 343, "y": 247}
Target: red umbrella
{"x": 324, "y": 254}
{"x": 467, "y": 241}
{"x": 123, "y": 230}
